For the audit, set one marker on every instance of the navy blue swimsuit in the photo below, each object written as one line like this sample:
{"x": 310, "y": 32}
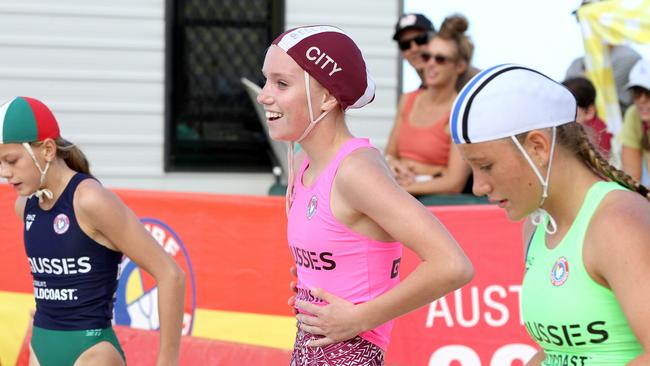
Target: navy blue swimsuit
{"x": 75, "y": 278}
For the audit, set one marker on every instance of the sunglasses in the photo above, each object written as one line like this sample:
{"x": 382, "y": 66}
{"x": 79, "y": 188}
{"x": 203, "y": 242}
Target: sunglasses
{"x": 420, "y": 40}
{"x": 439, "y": 59}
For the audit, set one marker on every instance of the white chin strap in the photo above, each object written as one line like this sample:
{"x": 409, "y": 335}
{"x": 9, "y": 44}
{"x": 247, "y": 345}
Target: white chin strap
{"x": 41, "y": 191}
{"x": 312, "y": 124}
{"x": 537, "y": 217}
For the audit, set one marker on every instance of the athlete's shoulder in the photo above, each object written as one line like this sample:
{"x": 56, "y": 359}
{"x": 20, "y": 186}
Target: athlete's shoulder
{"x": 88, "y": 188}
{"x": 364, "y": 173}
{"x": 90, "y": 195}
{"x": 362, "y": 161}
{"x": 621, "y": 206}
{"x": 616, "y": 246}
{"x": 621, "y": 209}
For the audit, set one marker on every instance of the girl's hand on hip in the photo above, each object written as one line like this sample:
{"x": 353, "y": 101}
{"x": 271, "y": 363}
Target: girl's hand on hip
{"x": 338, "y": 320}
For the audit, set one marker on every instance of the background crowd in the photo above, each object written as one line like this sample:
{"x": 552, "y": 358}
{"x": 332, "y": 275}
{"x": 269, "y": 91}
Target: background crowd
{"x": 419, "y": 148}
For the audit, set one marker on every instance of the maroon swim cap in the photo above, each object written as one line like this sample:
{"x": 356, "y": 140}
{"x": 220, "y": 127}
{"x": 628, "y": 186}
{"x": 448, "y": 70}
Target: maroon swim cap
{"x": 332, "y": 58}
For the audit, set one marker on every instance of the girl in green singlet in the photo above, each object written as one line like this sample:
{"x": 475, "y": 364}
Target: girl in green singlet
{"x": 586, "y": 289}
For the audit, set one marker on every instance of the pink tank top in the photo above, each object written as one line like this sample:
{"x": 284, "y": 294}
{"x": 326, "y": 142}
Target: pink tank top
{"x": 429, "y": 145}
{"x": 331, "y": 256}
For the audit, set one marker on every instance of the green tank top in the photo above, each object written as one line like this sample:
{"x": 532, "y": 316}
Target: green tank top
{"x": 574, "y": 319}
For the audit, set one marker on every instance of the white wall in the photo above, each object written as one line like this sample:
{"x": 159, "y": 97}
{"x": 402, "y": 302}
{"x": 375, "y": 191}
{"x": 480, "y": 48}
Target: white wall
{"x": 100, "y": 66}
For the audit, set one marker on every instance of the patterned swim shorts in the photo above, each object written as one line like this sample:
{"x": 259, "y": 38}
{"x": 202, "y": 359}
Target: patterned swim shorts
{"x": 353, "y": 352}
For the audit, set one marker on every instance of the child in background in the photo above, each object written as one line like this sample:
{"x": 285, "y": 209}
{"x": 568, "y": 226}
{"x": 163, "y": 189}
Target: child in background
{"x": 585, "y": 93}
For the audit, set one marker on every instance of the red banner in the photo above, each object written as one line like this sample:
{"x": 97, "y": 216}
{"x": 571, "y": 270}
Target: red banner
{"x": 235, "y": 252}
{"x": 479, "y": 324}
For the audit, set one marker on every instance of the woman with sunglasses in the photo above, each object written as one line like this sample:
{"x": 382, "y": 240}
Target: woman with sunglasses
{"x": 635, "y": 134}
{"x": 419, "y": 149}
{"x": 586, "y": 287}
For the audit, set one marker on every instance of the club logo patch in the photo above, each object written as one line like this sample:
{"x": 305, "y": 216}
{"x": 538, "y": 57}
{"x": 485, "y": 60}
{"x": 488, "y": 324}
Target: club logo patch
{"x": 311, "y": 208}
{"x": 61, "y": 224}
{"x": 560, "y": 272}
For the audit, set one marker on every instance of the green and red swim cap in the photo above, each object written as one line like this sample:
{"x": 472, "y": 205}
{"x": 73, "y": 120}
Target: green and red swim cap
{"x": 25, "y": 119}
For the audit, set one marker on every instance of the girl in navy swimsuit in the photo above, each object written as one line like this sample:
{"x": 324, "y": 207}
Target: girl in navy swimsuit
{"x": 75, "y": 234}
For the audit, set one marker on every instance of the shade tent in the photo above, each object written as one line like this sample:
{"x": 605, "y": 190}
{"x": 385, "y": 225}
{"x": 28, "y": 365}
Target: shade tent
{"x": 612, "y": 22}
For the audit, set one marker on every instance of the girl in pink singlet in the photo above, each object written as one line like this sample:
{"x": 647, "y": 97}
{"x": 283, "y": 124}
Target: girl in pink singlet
{"x": 347, "y": 216}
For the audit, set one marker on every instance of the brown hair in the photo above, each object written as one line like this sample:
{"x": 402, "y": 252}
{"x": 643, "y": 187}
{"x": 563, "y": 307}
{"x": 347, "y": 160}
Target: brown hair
{"x": 453, "y": 28}
{"x": 574, "y": 138}
{"x": 74, "y": 158}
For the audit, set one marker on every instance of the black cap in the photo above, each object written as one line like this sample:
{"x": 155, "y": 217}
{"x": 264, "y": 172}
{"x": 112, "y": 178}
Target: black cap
{"x": 414, "y": 20}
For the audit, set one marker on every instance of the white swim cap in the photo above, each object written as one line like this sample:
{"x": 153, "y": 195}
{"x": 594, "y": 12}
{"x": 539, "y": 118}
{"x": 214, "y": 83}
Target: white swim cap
{"x": 506, "y": 100}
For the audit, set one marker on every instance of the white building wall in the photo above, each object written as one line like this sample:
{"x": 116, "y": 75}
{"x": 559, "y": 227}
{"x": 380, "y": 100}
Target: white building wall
{"x": 100, "y": 66}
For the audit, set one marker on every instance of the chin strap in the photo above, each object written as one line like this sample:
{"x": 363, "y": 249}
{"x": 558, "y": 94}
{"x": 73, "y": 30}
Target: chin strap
{"x": 290, "y": 152}
{"x": 41, "y": 192}
{"x": 537, "y": 216}
{"x": 312, "y": 121}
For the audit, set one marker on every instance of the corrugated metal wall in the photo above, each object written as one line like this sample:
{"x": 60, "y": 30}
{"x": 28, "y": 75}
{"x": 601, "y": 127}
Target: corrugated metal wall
{"x": 100, "y": 66}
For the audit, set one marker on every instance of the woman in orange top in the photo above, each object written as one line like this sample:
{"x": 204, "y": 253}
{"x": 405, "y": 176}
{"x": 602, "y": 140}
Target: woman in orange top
{"x": 419, "y": 149}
